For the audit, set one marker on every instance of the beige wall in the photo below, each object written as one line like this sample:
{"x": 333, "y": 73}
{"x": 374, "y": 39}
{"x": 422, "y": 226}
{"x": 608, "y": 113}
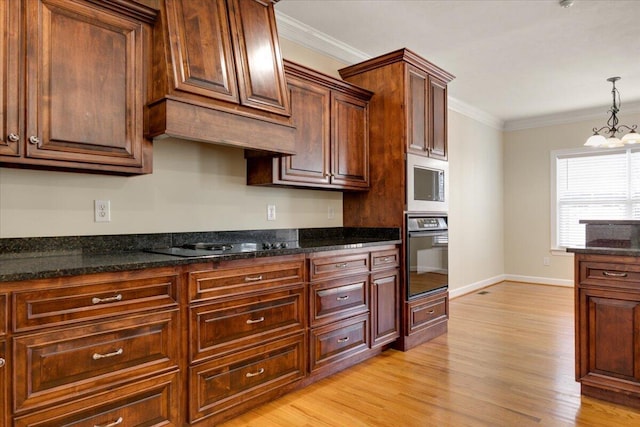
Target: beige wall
{"x": 476, "y": 247}
{"x": 527, "y": 225}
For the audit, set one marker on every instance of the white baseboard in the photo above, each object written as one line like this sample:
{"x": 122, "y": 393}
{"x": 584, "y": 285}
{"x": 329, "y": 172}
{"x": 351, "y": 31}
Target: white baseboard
{"x": 540, "y": 280}
{"x": 453, "y": 293}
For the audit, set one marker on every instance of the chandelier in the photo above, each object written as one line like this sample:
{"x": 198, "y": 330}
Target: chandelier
{"x": 597, "y": 140}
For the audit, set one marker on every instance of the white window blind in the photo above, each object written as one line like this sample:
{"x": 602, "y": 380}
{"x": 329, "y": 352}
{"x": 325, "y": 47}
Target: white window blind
{"x": 594, "y": 185}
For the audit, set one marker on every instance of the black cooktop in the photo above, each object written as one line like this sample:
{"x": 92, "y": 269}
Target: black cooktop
{"x": 213, "y": 249}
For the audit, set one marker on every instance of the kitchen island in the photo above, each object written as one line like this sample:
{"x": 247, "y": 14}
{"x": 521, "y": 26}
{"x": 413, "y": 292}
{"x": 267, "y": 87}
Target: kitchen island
{"x": 607, "y": 311}
{"x": 98, "y": 329}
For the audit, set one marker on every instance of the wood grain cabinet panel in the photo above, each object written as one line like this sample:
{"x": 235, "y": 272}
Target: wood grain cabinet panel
{"x": 4, "y": 392}
{"x": 224, "y": 384}
{"x": 333, "y": 265}
{"x": 331, "y": 118}
{"x": 337, "y": 341}
{"x": 385, "y": 303}
{"x": 85, "y": 298}
{"x": 151, "y": 402}
{"x": 84, "y": 85}
{"x": 3, "y": 315}
{"x": 11, "y": 104}
{"x": 230, "y": 326}
{"x": 382, "y": 260}
{"x": 338, "y": 299}
{"x": 52, "y": 367}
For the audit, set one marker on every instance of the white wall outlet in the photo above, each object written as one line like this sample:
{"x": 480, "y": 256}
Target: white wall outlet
{"x": 330, "y": 213}
{"x": 271, "y": 212}
{"x": 102, "y": 210}
{"x": 546, "y": 261}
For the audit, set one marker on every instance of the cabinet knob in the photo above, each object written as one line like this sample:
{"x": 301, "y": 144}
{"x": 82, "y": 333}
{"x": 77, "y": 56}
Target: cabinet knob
{"x": 2, "y": 362}
{"x": 34, "y": 140}
{"x": 13, "y": 137}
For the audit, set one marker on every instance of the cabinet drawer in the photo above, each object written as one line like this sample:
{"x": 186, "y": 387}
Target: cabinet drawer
{"x": 236, "y": 278}
{"x": 3, "y": 314}
{"x": 610, "y": 274}
{"x": 53, "y": 366}
{"x": 151, "y": 402}
{"x": 233, "y": 325}
{"x": 385, "y": 259}
{"x": 327, "y": 267}
{"x": 339, "y": 299}
{"x": 337, "y": 341}
{"x": 79, "y": 300}
{"x": 428, "y": 312}
{"x": 230, "y": 381}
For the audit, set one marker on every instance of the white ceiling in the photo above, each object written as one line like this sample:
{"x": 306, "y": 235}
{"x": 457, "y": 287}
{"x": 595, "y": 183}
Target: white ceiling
{"x": 513, "y": 59}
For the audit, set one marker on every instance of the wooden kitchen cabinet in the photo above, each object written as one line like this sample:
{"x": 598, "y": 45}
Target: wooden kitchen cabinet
{"x": 331, "y": 119}
{"x": 220, "y": 77}
{"x": 385, "y": 297}
{"x": 607, "y": 298}
{"x": 74, "y": 81}
{"x": 4, "y": 392}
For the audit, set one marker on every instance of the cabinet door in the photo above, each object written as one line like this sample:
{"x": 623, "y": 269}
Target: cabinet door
{"x": 201, "y": 39}
{"x": 4, "y": 409}
{"x": 10, "y": 126}
{"x": 350, "y": 141}
{"x": 85, "y": 84}
{"x": 418, "y": 110}
{"x": 261, "y": 80}
{"x": 609, "y": 341}
{"x": 310, "y": 115}
{"x": 437, "y": 119}
{"x": 385, "y": 307}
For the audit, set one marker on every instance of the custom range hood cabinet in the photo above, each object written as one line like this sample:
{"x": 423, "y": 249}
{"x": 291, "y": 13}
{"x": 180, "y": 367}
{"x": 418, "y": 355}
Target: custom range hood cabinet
{"x": 218, "y": 76}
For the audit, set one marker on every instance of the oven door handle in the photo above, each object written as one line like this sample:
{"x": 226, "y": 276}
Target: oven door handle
{"x": 427, "y": 233}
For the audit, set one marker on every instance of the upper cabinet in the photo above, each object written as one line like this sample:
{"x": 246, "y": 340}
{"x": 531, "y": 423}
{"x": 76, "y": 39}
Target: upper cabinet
{"x": 420, "y": 102}
{"x": 73, "y": 84}
{"x": 331, "y": 120}
{"x": 219, "y": 77}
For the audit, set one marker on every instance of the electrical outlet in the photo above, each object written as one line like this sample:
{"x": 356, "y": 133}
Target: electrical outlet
{"x": 330, "y": 213}
{"x": 102, "y": 210}
{"x": 546, "y": 261}
{"x": 271, "y": 212}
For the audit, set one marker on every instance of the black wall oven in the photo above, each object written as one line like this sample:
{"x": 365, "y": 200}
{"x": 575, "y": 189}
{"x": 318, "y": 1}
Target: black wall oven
{"x": 427, "y": 254}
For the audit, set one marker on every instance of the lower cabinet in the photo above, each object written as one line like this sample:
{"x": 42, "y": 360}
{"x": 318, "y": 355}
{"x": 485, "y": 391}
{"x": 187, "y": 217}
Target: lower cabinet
{"x": 4, "y": 410}
{"x": 608, "y": 327}
{"x": 385, "y": 298}
{"x": 426, "y": 318}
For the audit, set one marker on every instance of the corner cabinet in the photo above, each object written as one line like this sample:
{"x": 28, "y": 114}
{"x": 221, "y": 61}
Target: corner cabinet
{"x": 73, "y": 92}
{"x": 219, "y": 77}
{"x": 331, "y": 118}
{"x": 607, "y": 299}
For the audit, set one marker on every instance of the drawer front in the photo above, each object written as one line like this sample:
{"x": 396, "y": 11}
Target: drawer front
{"x": 52, "y": 366}
{"x": 151, "y": 402}
{"x": 335, "y": 342}
{"x": 236, "y": 279}
{"x": 230, "y": 381}
{"x": 3, "y": 314}
{"x": 220, "y": 328}
{"x": 381, "y": 260}
{"x": 74, "y": 303}
{"x": 339, "y": 299}
{"x": 610, "y": 274}
{"x": 327, "y": 267}
{"x": 423, "y": 314}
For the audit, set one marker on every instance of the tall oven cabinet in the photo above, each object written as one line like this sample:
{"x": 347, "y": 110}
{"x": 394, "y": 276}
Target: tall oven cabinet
{"x": 408, "y": 115}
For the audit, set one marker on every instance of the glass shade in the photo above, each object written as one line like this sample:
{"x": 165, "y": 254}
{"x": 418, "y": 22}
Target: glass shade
{"x": 595, "y": 141}
{"x": 632, "y": 137}
{"x": 613, "y": 142}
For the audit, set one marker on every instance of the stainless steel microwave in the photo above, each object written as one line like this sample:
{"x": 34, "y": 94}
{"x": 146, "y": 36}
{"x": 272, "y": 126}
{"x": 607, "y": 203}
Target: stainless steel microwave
{"x": 427, "y": 184}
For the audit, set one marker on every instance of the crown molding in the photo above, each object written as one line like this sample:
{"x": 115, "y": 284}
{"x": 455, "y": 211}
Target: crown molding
{"x": 313, "y": 39}
{"x": 475, "y": 113}
{"x": 582, "y": 115}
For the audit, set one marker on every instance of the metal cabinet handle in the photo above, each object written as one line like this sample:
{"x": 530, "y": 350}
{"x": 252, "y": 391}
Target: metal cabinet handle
{"x": 386, "y": 259}
{"x": 341, "y": 265}
{"x": 345, "y": 339}
{"x": 612, "y": 274}
{"x": 98, "y": 356}
{"x": 254, "y": 374}
{"x": 343, "y": 298}
{"x": 13, "y": 137}
{"x": 96, "y": 300}
{"x": 252, "y": 321}
{"x": 111, "y": 424}
{"x": 2, "y": 362}
{"x": 34, "y": 140}
{"x": 431, "y": 311}
{"x": 253, "y": 279}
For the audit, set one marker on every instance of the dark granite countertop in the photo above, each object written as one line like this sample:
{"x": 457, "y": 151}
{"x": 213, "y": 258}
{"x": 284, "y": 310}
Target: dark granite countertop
{"x": 594, "y": 250}
{"x": 47, "y": 257}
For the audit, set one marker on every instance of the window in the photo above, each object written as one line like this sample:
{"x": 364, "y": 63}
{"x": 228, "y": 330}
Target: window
{"x": 592, "y": 185}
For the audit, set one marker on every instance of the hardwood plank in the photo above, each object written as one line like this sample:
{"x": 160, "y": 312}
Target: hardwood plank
{"x": 508, "y": 360}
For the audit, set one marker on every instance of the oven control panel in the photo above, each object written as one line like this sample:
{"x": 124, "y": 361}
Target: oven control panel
{"x": 426, "y": 223}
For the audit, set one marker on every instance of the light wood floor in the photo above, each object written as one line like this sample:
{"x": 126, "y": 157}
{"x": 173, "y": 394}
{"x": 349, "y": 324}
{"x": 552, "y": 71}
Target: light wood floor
{"x": 506, "y": 361}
